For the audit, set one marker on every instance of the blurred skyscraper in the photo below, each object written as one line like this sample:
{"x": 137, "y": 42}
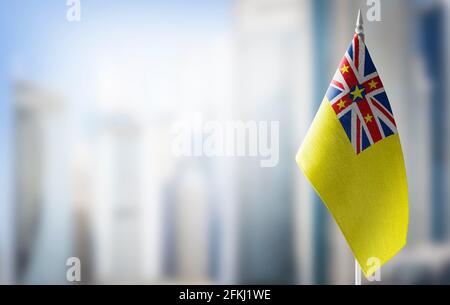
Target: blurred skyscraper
{"x": 41, "y": 202}
{"x": 117, "y": 201}
{"x": 272, "y": 40}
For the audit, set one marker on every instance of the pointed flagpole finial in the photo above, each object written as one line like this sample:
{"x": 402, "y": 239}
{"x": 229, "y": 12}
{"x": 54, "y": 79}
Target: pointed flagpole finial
{"x": 360, "y": 25}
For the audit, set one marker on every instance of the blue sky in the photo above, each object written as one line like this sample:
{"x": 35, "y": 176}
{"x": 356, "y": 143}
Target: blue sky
{"x": 37, "y": 30}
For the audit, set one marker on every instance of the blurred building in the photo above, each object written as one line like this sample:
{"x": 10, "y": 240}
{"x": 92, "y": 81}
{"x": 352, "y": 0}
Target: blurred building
{"x": 272, "y": 84}
{"x": 41, "y": 202}
{"x": 188, "y": 210}
{"x": 117, "y": 200}
{"x": 426, "y": 259}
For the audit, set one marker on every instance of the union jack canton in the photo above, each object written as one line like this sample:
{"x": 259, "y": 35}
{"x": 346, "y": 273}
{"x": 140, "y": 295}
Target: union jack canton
{"x": 357, "y": 96}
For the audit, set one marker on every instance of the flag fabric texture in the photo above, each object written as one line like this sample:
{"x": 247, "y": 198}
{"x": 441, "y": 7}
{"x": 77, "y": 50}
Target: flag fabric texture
{"x": 353, "y": 158}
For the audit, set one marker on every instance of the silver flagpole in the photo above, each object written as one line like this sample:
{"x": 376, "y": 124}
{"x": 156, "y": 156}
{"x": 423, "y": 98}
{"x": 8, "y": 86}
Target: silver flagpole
{"x": 360, "y": 26}
{"x": 357, "y": 273}
{"x": 360, "y": 31}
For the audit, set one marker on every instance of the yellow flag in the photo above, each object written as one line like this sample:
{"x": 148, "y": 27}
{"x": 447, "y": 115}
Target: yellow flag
{"x": 353, "y": 158}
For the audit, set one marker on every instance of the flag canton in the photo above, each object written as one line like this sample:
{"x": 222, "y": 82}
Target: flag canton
{"x": 359, "y": 100}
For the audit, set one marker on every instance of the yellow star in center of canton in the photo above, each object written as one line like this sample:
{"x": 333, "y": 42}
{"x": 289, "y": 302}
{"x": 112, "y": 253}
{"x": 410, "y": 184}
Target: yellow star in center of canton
{"x": 357, "y": 93}
{"x": 368, "y": 118}
{"x": 373, "y": 84}
{"x": 344, "y": 69}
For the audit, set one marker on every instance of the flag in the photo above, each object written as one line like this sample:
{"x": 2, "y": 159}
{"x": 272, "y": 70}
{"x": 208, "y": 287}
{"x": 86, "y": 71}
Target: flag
{"x": 353, "y": 158}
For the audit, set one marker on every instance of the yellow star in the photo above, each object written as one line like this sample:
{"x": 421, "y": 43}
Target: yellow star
{"x": 357, "y": 93}
{"x": 341, "y": 104}
{"x": 373, "y": 84}
{"x": 368, "y": 118}
{"x": 344, "y": 69}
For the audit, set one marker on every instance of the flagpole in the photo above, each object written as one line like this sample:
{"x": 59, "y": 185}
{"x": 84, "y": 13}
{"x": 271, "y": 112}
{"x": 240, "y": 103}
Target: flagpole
{"x": 357, "y": 273}
{"x": 360, "y": 26}
{"x": 360, "y": 31}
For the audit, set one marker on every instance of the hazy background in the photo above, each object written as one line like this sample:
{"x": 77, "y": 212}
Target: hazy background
{"x": 86, "y": 111}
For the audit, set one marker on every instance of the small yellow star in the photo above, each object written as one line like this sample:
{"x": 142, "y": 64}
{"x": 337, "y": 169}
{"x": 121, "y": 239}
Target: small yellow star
{"x": 341, "y": 104}
{"x": 344, "y": 69}
{"x": 373, "y": 84}
{"x": 368, "y": 118}
{"x": 357, "y": 93}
